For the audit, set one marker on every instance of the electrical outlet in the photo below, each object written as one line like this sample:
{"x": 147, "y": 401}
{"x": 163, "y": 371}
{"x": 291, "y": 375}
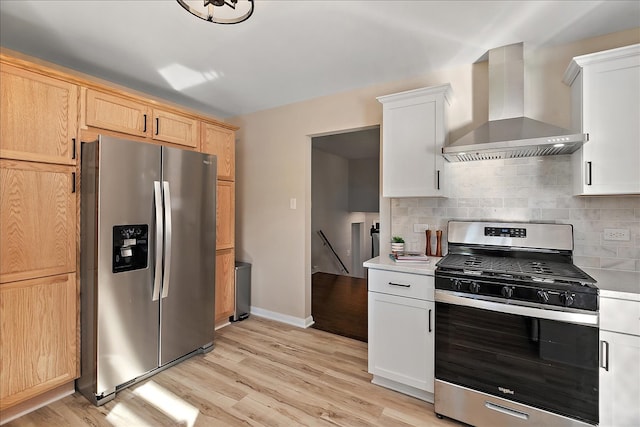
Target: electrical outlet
{"x": 616, "y": 234}
{"x": 419, "y": 228}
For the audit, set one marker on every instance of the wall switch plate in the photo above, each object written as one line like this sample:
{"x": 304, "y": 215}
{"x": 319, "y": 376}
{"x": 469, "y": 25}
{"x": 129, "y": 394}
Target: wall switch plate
{"x": 292, "y": 203}
{"x": 616, "y": 234}
{"x": 420, "y": 228}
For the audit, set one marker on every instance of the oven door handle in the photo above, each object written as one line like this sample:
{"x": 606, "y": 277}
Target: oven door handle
{"x": 449, "y": 297}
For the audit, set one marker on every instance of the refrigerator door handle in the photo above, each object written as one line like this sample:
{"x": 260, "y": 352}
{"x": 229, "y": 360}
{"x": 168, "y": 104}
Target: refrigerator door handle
{"x": 157, "y": 277}
{"x": 167, "y": 245}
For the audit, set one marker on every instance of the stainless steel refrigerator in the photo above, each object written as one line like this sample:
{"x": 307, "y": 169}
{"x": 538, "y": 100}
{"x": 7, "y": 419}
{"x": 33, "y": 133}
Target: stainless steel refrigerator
{"x": 147, "y": 260}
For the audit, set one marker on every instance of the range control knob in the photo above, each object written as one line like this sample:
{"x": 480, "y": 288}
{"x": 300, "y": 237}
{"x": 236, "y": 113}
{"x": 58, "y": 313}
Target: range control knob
{"x": 543, "y": 296}
{"x": 474, "y": 287}
{"x": 566, "y": 298}
{"x": 456, "y": 285}
{"x": 506, "y": 292}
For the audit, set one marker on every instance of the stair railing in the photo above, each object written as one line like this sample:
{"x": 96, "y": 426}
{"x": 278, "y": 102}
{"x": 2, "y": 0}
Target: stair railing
{"x": 326, "y": 243}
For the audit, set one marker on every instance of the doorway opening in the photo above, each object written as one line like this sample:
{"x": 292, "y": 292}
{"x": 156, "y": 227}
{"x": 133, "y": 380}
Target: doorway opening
{"x": 345, "y": 200}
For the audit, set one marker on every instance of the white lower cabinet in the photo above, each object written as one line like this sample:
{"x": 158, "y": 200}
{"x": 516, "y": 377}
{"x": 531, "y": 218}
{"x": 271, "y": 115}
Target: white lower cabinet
{"x": 619, "y": 363}
{"x": 401, "y": 334}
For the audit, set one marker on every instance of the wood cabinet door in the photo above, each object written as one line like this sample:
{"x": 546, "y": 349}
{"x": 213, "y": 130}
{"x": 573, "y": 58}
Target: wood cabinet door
{"x": 221, "y": 142}
{"x": 39, "y": 117}
{"x": 225, "y": 284}
{"x": 118, "y": 114}
{"x": 37, "y": 336}
{"x": 174, "y": 128}
{"x": 225, "y": 215}
{"x": 38, "y": 221}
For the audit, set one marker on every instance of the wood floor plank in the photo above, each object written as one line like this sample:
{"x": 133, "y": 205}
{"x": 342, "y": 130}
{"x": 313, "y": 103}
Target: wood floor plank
{"x": 260, "y": 374}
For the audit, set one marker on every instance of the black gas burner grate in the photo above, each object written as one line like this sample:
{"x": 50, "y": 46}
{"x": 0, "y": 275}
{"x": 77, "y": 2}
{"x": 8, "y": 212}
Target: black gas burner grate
{"x": 515, "y": 266}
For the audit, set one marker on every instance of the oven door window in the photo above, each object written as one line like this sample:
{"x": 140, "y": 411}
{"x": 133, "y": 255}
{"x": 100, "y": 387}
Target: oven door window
{"x": 546, "y": 364}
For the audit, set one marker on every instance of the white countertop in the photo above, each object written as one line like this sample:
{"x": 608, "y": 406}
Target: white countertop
{"x": 612, "y": 283}
{"x": 616, "y": 284}
{"x": 385, "y": 263}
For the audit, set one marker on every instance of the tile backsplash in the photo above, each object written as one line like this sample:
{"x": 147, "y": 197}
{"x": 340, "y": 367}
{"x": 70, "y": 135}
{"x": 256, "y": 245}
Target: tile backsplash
{"x": 537, "y": 189}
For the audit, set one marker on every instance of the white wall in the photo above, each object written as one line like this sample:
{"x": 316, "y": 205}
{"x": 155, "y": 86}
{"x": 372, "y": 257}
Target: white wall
{"x": 274, "y": 161}
{"x": 364, "y": 185}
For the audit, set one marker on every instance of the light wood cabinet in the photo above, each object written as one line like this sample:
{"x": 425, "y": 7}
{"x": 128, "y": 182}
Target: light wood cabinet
{"x": 414, "y": 130}
{"x": 39, "y": 119}
{"x": 112, "y": 112}
{"x": 401, "y": 322}
{"x": 225, "y": 287}
{"x": 605, "y": 92}
{"x": 37, "y": 336}
{"x": 221, "y": 142}
{"x": 38, "y": 220}
{"x": 175, "y": 128}
{"x": 43, "y": 108}
{"x": 225, "y": 215}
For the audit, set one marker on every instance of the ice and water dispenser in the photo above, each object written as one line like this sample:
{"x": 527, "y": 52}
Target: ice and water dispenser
{"x": 130, "y": 247}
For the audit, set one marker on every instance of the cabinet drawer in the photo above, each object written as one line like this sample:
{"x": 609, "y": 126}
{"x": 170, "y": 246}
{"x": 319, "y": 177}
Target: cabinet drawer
{"x": 401, "y": 284}
{"x": 619, "y": 315}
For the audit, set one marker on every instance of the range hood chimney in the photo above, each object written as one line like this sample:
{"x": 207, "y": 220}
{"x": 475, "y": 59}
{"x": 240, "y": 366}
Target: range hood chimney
{"x": 508, "y": 134}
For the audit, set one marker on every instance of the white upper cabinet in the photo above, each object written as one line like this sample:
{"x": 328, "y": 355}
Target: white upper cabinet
{"x": 414, "y": 130}
{"x": 605, "y": 95}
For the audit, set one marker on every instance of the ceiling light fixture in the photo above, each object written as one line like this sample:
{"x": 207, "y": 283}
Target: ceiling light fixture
{"x": 219, "y": 11}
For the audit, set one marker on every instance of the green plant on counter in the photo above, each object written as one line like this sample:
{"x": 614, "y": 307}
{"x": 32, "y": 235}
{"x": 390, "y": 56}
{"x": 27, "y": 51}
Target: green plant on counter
{"x": 397, "y": 239}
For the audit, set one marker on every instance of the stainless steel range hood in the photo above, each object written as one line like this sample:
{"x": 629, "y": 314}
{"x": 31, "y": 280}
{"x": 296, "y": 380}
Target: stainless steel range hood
{"x": 508, "y": 134}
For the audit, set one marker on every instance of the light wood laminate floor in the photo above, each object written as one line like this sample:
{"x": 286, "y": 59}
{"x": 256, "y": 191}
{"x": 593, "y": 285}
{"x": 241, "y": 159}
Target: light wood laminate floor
{"x": 260, "y": 373}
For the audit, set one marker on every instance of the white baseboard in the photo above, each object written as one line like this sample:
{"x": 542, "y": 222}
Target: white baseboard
{"x": 284, "y": 318}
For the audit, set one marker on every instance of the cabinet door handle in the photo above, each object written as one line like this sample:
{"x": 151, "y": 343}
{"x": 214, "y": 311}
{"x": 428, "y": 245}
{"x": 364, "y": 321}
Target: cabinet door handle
{"x": 588, "y": 173}
{"x": 430, "y": 320}
{"x": 73, "y": 148}
{"x": 157, "y": 125}
{"x": 437, "y": 180}
{"x": 73, "y": 182}
{"x": 402, "y": 285}
{"x": 145, "y": 124}
{"x": 604, "y": 355}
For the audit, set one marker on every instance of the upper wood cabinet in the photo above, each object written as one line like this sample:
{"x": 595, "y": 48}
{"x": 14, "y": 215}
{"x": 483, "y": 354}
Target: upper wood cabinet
{"x": 38, "y": 335}
{"x": 111, "y": 112}
{"x": 414, "y": 130}
{"x": 38, "y": 221}
{"x": 225, "y": 215}
{"x": 120, "y": 114}
{"x": 175, "y": 128}
{"x": 221, "y": 142}
{"x": 605, "y": 92}
{"x": 39, "y": 119}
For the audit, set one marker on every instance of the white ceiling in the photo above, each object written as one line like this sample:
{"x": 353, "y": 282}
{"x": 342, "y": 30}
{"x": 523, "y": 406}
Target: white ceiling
{"x": 289, "y": 50}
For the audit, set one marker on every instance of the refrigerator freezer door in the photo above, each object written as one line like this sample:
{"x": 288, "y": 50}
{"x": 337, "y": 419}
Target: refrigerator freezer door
{"x": 187, "y": 306}
{"x": 127, "y": 316}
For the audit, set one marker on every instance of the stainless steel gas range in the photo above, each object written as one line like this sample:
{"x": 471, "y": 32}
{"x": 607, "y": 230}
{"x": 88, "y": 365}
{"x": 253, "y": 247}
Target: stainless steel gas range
{"x": 517, "y": 328}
